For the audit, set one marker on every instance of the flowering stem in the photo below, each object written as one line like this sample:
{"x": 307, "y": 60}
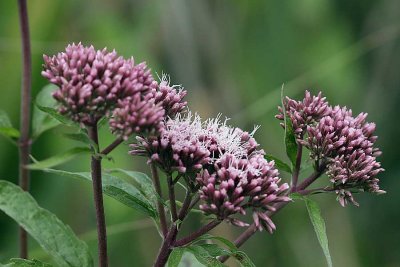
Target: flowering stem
{"x": 203, "y": 230}
{"x": 160, "y": 206}
{"x": 112, "y": 146}
{"x": 166, "y": 247}
{"x": 252, "y": 228}
{"x": 194, "y": 202}
{"x": 98, "y": 201}
{"x": 186, "y": 206}
{"x": 307, "y": 182}
{"x": 296, "y": 171}
{"x": 172, "y": 201}
{"x": 24, "y": 141}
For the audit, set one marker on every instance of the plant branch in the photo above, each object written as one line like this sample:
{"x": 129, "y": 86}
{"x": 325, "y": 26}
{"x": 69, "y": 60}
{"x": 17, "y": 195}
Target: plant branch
{"x": 24, "y": 141}
{"x": 203, "y": 230}
{"x": 166, "y": 247}
{"x": 194, "y": 202}
{"x": 98, "y": 200}
{"x": 112, "y": 146}
{"x": 314, "y": 176}
{"x": 172, "y": 201}
{"x": 160, "y": 206}
{"x": 186, "y": 206}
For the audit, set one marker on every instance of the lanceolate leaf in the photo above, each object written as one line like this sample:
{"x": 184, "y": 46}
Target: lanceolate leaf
{"x": 57, "y": 239}
{"x": 243, "y": 259}
{"x": 6, "y": 127}
{"x": 83, "y": 138}
{"x": 59, "y": 159}
{"x": 203, "y": 256}
{"x": 231, "y": 250}
{"x": 116, "y": 188}
{"x": 319, "y": 227}
{"x": 279, "y": 164}
{"x": 42, "y": 121}
{"x": 290, "y": 139}
{"x": 225, "y": 241}
{"x": 56, "y": 115}
{"x": 175, "y": 257}
{"x": 143, "y": 182}
{"x": 25, "y": 263}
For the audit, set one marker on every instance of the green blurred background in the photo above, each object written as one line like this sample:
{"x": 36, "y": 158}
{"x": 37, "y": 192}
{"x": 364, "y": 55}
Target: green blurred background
{"x": 232, "y": 57}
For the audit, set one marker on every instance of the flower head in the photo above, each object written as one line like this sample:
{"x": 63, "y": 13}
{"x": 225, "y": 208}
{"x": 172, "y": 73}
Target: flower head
{"x": 188, "y": 144}
{"x": 136, "y": 115}
{"x": 170, "y": 97}
{"x": 178, "y": 148}
{"x": 91, "y": 82}
{"x": 303, "y": 113}
{"x": 236, "y": 185}
{"x": 342, "y": 143}
{"x": 222, "y": 138}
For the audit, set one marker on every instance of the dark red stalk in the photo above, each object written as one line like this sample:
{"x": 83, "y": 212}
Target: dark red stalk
{"x": 98, "y": 201}
{"x": 166, "y": 247}
{"x": 172, "y": 201}
{"x": 112, "y": 146}
{"x": 160, "y": 207}
{"x": 203, "y": 230}
{"x": 24, "y": 141}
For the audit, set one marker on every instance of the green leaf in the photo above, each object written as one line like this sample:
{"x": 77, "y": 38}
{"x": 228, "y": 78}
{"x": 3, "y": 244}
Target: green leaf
{"x": 203, "y": 256}
{"x": 6, "y": 128}
{"x": 42, "y": 121}
{"x": 319, "y": 227}
{"x": 57, "y": 239}
{"x": 225, "y": 241}
{"x": 25, "y": 263}
{"x": 175, "y": 257}
{"x": 102, "y": 122}
{"x": 142, "y": 182}
{"x": 116, "y": 188}
{"x": 83, "y": 138}
{"x": 290, "y": 139}
{"x": 215, "y": 250}
{"x": 59, "y": 159}
{"x": 56, "y": 115}
{"x": 243, "y": 259}
{"x": 279, "y": 164}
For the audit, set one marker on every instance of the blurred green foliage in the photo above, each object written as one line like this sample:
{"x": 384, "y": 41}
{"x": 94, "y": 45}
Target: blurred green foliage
{"x": 232, "y": 57}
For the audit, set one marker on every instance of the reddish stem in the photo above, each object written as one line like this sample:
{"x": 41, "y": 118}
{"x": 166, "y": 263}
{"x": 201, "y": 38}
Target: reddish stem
{"x": 203, "y": 230}
{"x": 24, "y": 141}
{"x": 98, "y": 201}
{"x": 160, "y": 206}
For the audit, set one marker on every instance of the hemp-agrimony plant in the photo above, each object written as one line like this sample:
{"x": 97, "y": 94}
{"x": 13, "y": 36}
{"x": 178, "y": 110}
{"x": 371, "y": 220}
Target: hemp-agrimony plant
{"x": 225, "y": 173}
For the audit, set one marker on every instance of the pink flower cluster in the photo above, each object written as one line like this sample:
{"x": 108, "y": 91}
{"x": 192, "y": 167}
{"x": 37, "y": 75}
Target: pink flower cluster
{"x": 336, "y": 139}
{"x": 234, "y": 185}
{"x": 224, "y": 162}
{"x": 97, "y": 83}
{"x": 303, "y": 113}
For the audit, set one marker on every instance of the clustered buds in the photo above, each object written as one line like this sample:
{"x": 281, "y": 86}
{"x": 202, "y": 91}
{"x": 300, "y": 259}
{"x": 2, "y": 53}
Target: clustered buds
{"x": 223, "y": 163}
{"x": 304, "y": 113}
{"x": 170, "y": 97}
{"x": 91, "y": 82}
{"x": 133, "y": 115}
{"x": 340, "y": 142}
{"x": 178, "y": 147}
{"x": 237, "y": 184}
